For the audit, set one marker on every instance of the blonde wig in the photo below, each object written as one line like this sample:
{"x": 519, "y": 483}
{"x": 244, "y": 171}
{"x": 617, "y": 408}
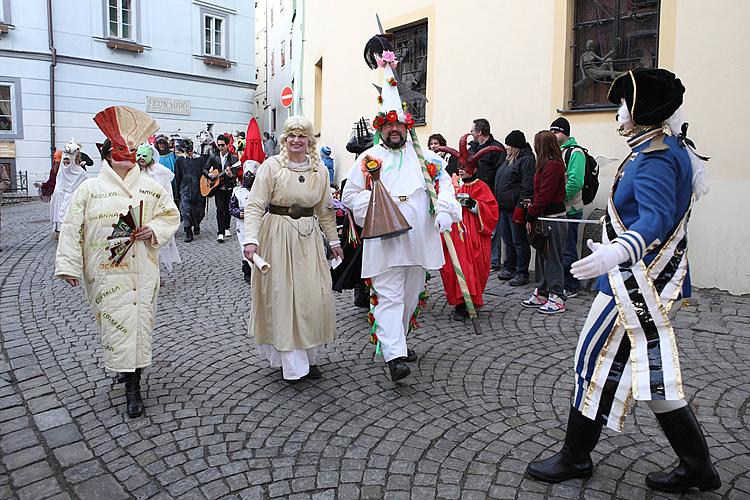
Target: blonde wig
{"x": 299, "y": 125}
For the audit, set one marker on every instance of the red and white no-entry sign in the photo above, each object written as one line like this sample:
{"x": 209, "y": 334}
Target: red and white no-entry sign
{"x": 287, "y": 96}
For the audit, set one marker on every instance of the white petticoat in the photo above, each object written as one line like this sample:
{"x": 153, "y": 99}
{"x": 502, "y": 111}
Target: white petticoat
{"x": 295, "y": 364}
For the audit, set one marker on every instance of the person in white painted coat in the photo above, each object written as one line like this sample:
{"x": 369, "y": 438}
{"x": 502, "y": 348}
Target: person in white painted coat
{"x": 397, "y": 265}
{"x": 122, "y": 296}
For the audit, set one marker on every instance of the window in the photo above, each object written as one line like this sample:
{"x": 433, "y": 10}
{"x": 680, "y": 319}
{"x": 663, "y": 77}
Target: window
{"x": 283, "y": 53}
{"x": 121, "y": 16}
{"x": 410, "y": 45}
{"x": 6, "y": 107}
{"x": 10, "y": 108}
{"x": 214, "y": 28}
{"x": 273, "y": 63}
{"x": 610, "y": 37}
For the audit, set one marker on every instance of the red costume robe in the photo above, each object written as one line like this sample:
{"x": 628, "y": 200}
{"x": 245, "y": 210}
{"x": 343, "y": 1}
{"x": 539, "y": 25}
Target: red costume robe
{"x": 473, "y": 246}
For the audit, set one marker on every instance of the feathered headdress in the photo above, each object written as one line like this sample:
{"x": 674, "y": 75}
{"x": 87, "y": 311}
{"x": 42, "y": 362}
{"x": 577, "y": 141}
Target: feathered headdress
{"x": 467, "y": 161}
{"x": 126, "y": 128}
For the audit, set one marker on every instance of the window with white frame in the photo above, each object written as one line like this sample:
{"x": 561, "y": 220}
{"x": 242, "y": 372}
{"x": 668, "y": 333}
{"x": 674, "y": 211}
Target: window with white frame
{"x": 121, "y": 19}
{"x": 214, "y": 30}
{"x": 8, "y": 112}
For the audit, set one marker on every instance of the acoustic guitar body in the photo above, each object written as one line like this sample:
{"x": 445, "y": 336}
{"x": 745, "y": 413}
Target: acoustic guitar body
{"x": 208, "y": 185}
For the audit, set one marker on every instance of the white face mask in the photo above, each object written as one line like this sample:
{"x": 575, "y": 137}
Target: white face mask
{"x": 623, "y": 116}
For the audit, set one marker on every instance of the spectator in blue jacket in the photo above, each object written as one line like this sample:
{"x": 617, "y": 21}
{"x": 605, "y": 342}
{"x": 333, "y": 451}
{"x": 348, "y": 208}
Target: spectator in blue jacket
{"x": 325, "y": 155}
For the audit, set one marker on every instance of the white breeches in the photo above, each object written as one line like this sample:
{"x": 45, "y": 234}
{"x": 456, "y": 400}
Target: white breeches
{"x": 398, "y": 291}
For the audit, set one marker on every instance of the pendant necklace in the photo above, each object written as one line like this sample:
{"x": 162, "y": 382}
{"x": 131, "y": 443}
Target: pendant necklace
{"x": 301, "y": 178}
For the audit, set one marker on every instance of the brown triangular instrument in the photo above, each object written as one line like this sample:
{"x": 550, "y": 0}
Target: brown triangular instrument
{"x": 383, "y": 219}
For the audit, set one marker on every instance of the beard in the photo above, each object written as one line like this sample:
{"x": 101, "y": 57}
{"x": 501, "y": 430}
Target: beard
{"x": 394, "y": 144}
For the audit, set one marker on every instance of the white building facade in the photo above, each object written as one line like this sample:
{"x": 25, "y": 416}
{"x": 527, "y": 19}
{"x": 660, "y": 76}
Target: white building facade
{"x": 189, "y": 63}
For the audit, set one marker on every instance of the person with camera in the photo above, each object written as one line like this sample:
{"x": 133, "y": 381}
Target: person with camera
{"x": 547, "y": 237}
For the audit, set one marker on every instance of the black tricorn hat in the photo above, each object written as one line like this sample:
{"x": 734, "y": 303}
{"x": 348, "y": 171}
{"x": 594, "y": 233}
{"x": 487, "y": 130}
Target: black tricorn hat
{"x": 652, "y": 94}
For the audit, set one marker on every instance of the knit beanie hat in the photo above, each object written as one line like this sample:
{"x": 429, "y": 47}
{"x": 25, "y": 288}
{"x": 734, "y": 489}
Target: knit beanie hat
{"x": 560, "y": 125}
{"x": 516, "y": 139}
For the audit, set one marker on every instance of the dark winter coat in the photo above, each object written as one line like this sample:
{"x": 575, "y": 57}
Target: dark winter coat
{"x": 488, "y": 164}
{"x": 515, "y": 182}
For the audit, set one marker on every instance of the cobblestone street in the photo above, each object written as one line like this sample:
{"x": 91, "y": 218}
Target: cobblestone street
{"x": 220, "y": 423}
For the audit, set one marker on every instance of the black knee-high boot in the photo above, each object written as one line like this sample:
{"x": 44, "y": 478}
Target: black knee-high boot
{"x": 133, "y": 393}
{"x": 695, "y": 469}
{"x": 574, "y": 460}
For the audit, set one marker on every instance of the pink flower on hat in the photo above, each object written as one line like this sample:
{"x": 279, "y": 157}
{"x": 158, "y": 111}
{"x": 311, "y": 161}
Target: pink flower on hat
{"x": 389, "y": 58}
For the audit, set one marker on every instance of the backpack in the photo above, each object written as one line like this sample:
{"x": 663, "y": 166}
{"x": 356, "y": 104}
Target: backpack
{"x": 590, "y": 176}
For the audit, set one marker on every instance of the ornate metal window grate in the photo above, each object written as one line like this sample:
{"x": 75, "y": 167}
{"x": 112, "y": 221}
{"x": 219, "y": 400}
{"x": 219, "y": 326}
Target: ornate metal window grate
{"x": 410, "y": 45}
{"x": 610, "y": 37}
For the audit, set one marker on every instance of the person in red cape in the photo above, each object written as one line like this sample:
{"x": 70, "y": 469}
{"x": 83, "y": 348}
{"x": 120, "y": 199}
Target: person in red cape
{"x": 473, "y": 237}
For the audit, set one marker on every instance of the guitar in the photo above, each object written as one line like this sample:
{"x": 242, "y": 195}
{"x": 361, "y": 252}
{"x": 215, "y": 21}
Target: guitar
{"x": 208, "y": 185}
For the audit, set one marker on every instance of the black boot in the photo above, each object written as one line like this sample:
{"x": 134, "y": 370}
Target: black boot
{"x": 246, "y": 271}
{"x": 361, "y": 296}
{"x": 460, "y": 313}
{"x": 695, "y": 469}
{"x": 133, "y": 393}
{"x": 197, "y": 230}
{"x": 120, "y": 378}
{"x": 411, "y": 356}
{"x": 399, "y": 369}
{"x": 574, "y": 460}
{"x": 188, "y": 234}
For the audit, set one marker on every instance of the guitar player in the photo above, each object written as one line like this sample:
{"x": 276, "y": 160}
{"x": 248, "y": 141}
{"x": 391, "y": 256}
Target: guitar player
{"x": 221, "y": 166}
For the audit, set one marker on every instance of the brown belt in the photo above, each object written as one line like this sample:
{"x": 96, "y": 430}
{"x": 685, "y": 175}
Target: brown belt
{"x": 294, "y": 211}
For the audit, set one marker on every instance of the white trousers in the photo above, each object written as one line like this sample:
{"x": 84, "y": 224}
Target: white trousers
{"x": 398, "y": 291}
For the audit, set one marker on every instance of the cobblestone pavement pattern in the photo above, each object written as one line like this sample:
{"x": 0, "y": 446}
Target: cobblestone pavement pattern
{"x": 220, "y": 423}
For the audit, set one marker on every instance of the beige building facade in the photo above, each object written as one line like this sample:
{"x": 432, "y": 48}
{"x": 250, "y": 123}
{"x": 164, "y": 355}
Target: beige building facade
{"x": 511, "y": 62}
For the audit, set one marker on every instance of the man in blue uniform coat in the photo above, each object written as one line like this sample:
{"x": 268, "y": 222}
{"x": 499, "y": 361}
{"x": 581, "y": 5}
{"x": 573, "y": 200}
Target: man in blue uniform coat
{"x": 627, "y": 350}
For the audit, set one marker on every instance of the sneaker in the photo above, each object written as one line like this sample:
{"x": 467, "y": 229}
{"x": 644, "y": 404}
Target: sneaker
{"x": 220, "y": 238}
{"x": 535, "y": 300}
{"x": 554, "y": 305}
{"x": 569, "y": 294}
{"x": 227, "y": 233}
{"x": 518, "y": 280}
{"x": 504, "y": 275}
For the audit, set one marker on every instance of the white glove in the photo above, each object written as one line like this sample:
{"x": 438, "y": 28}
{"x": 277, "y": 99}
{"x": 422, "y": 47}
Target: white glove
{"x": 443, "y": 221}
{"x": 602, "y": 259}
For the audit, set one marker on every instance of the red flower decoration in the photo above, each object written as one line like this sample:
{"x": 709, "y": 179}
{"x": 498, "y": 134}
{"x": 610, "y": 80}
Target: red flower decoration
{"x": 409, "y": 121}
{"x": 371, "y": 318}
{"x": 392, "y": 116}
{"x": 432, "y": 170}
{"x": 392, "y": 82}
{"x": 380, "y": 99}
{"x": 374, "y": 300}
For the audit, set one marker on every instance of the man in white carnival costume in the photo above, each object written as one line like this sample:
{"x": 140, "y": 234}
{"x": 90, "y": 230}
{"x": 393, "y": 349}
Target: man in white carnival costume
{"x": 397, "y": 265}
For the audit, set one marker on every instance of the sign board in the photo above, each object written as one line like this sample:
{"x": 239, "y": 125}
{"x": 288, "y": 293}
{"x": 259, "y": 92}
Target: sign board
{"x": 287, "y": 96}
{"x": 167, "y": 106}
{"x": 7, "y": 149}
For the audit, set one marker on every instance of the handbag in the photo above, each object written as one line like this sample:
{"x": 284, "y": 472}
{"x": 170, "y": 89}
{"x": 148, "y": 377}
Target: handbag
{"x": 539, "y": 236}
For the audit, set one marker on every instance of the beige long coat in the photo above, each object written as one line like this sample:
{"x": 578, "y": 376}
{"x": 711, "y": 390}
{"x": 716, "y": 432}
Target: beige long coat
{"x": 292, "y": 304}
{"x": 123, "y": 297}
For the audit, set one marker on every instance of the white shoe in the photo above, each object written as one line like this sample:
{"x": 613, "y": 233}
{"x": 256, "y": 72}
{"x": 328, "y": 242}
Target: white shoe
{"x": 227, "y": 233}
{"x": 220, "y": 238}
{"x": 535, "y": 300}
{"x": 554, "y": 305}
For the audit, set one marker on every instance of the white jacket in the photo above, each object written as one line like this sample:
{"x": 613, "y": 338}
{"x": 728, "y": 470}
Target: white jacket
{"x": 123, "y": 297}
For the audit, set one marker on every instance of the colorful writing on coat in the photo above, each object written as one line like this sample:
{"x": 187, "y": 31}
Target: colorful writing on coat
{"x": 112, "y": 321}
{"x": 106, "y": 293}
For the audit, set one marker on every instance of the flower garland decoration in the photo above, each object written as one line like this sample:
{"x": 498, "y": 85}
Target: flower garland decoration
{"x": 392, "y": 82}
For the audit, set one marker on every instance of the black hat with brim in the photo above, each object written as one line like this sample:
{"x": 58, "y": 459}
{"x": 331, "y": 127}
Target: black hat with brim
{"x": 652, "y": 94}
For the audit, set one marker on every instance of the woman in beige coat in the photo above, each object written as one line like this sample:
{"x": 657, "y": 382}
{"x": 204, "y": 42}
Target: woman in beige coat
{"x": 292, "y": 312}
{"x": 122, "y": 296}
